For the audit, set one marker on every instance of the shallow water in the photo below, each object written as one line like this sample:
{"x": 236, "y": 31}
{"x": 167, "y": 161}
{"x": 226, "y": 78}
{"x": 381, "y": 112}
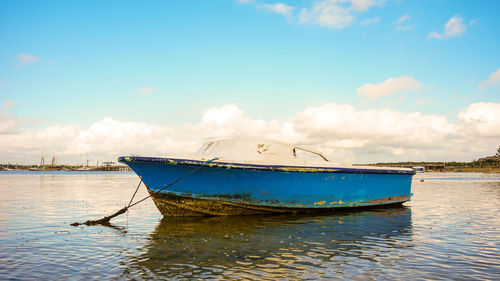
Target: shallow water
{"x": 450, "y": 230}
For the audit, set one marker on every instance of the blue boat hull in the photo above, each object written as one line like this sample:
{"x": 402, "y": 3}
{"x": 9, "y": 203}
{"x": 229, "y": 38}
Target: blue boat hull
{"x": 238, "y": 189}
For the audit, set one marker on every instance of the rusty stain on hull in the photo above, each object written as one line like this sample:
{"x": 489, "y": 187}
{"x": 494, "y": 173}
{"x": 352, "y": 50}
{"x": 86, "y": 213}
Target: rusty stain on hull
{"x": 387, "y": 199}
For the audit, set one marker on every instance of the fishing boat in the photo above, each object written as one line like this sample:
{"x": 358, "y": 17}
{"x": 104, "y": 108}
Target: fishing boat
{"x": 252, "y": 176}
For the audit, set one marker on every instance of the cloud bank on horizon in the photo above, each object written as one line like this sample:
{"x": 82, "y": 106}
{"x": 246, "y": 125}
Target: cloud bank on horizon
{"x": 341, "y": 131}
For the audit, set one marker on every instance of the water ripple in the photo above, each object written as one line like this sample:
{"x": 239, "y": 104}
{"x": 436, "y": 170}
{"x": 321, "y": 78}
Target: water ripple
{"x": 449, "y": 230}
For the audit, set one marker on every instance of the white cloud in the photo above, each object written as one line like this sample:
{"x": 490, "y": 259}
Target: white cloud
{"x": 362, "y": 5}
{"x": 403, "y": 18}
{"x": 453, "y": 28}
{"x": 326, "y": 13}
{"x": 8, "y": 104}
{"x": 384, "y": 127}
{"x": 24, "y": 59}
{"x": 222, "y": 115}
{"x": 146, "y": 91}
{"x": 388, "y": 87}
{"x": 405, "y": 27}
{"x": 341, "y": 131}
{"x": 482, "y": 119}
{"x": 400, "y": 26}
{"x": 8, "y": 123}
{"x": 493, "y": 79}
{"x": 279, "y": 8}
{"x": 369, "y": 21}
{"x": 334, "y": 13}
{"x": 329, "y": 13}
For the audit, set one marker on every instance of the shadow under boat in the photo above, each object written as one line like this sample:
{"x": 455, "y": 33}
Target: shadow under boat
{"x": 200, "y": 245}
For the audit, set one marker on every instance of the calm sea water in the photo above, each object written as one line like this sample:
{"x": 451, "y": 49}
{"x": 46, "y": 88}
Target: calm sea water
{"x": 450, "y": 230}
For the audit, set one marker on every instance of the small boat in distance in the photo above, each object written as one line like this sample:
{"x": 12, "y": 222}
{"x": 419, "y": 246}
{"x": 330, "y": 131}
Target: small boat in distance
{"x": 252, "y": 176}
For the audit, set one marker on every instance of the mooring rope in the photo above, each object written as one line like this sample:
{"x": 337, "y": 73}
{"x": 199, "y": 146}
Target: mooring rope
{"x": 131, "y": 199}
{"x": 105, "y": 221}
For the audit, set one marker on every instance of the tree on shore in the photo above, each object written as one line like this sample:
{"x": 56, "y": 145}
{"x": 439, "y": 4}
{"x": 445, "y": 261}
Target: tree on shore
{"x": 498, "y": 151}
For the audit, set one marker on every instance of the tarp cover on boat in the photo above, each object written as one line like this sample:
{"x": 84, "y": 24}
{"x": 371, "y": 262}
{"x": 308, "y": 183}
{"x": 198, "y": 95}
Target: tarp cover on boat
{"x": 256, "y": 151}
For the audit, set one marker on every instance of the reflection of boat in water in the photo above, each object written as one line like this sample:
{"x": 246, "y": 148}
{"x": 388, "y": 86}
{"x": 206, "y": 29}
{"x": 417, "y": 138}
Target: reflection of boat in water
{"x": 260, "y": 176}
{"x": 280, "y": 246}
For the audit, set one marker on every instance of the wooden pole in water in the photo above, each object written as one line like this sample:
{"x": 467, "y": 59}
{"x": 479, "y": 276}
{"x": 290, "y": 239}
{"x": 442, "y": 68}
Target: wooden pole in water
{"x": 103, "y": 221}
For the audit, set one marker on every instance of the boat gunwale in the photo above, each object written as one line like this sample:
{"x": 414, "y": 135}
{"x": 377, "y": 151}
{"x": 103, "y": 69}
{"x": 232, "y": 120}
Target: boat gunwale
{"x": 267, "y": 167}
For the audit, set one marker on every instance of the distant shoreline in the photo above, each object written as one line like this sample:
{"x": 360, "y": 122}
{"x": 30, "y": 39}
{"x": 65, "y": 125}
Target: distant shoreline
{"x": 13, "y": 167}
{"x": 472, "y": 170}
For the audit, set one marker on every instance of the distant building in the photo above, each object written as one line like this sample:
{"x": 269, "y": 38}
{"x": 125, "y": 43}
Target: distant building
{"x": 435, "y": 166}
{"x": 422, "y": 166}
{"x": 491, "y": 161}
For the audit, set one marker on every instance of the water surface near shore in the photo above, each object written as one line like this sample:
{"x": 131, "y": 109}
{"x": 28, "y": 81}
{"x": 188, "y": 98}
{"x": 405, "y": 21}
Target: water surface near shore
{"x": 450, "y": 230}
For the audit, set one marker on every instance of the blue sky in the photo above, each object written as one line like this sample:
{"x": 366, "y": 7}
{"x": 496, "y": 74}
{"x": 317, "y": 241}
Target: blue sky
{"x": 165, "y": 63}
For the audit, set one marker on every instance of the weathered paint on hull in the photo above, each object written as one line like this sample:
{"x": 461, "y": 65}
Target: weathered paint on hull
{"x": 178, "y": 206}
{"x": 229, "y": 189}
